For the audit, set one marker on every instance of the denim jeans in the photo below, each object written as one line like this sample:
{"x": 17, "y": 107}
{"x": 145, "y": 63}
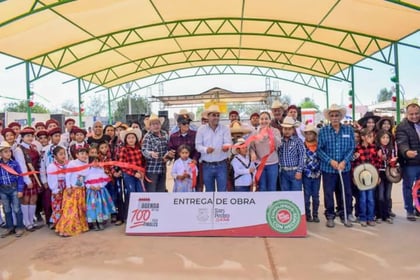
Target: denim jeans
{"x": 288, "y": 181}
{"x": 112, "y": 189}
{"x": 268, "y": 179}
{"x": 311, "y": 188}
{"x": 367, "y": 205}
{"x": 331, "y": 181}
{"x": 383, "y": 197}
{"x": 410, "y": 175}
{"x": 158, "y": 182}
{"x": 11, "y": 203}
{"x": 215, "y": 172}
{"x": 242, "y": 188}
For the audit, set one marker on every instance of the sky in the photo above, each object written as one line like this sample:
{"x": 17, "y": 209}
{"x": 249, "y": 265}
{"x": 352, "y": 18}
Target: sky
{"x": 368, "y": 83}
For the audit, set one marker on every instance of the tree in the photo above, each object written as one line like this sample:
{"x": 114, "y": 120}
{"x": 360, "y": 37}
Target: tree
{"x": 384, "y": 95}
{"x": 285, "y": 99}
{"x": 309, "y": 103}
{"x": 96, "y": 105}
{"x": 22, "y": 106}
{"x": 139, "y": 105}
{"x": 69, "y": 106}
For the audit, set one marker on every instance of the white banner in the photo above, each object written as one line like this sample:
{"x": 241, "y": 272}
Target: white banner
{"x": 217, "y": 214}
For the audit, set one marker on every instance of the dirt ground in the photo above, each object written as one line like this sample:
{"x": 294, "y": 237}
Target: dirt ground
{"x": 381, "y": 252}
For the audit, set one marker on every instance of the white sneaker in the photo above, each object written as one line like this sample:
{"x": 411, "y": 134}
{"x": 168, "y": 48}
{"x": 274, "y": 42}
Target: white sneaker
{"x": 352, "y": 218}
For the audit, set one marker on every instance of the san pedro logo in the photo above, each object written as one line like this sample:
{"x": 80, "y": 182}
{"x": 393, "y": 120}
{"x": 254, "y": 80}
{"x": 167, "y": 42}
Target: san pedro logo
{"x": 283, "y": 216}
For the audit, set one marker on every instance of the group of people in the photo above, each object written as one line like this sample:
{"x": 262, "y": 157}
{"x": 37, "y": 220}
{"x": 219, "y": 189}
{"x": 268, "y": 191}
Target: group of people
{"x": 81, "y": 182}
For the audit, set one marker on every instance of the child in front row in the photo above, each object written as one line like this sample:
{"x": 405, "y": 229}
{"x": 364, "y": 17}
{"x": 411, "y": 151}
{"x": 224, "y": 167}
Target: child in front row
{"x": 57, "y": 182}
{"x": 243, "y": 167}
{"x": 98, "y": 201}
{"x": 366, "y": 153}
{"x": 311, "y": 176}
{"x": 11, "y": 190}
{"x": 183, "y": 171}
{"x": 73, "y": 217}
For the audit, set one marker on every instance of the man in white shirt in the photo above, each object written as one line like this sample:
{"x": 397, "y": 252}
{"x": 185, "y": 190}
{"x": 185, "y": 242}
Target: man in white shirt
{"x": 213, "y": 141}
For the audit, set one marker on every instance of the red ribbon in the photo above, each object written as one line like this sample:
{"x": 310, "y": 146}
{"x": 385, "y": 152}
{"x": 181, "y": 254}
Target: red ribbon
{"x": 193, "y": 174}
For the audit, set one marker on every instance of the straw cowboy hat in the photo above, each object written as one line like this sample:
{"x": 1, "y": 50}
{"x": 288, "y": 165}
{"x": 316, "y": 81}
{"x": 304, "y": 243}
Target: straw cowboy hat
{"x": 289, "y": 122}
{"x": 393, "y": 173}
{"x": 277, "y": 105}
{"x": 135, "y": 131}
{"x": 4, "y": 145}
{"x": 213, "y": 109}
{"x": 120, "y": 124}
{"x": 236, "y": 127}
{"x": 365, "y": 176}
{"x": 335, "y": 108}
{"x": 153, "y": 118}
{"x": 310, "y": 128}
{"x": 368, "y": 115}
{"x": 237, "y": 145}
{"x": 183, "y": 114}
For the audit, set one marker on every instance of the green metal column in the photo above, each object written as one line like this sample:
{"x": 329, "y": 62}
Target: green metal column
{"x": 28, "y": 93}
{"x": 109, "y": 107}
{"x": 397, "y": 81}
{"x": 353, "y": 107}
{"x": 80, "y": 101}
{"x": 327, "y": 93}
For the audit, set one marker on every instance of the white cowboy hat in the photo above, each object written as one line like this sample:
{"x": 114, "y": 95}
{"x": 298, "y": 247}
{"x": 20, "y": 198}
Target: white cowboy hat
{"x": 236, "y": 127}
{"x": 130, "y": 130}
{"x": 365, "y": 176}
{"x": 184, "y": 114}
{"x": 213, "y": 109}
{"x": 238, "y": 143}
{"x": 335, "y": 108}
{"x": 277, "y": 104}
{"x": 393, "y": 173}
{"x": 4, "y": 145}
{"x": 310, "y": 127}
{"x": 289, "y": 122}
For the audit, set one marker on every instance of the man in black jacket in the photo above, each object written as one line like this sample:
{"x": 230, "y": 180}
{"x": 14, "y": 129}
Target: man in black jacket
{"x": 408, "y": 141}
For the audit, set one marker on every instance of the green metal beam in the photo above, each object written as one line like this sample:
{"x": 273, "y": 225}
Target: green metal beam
{"x": 313, "y": 82}
{"x": 36, "y": 7}
{"x": 350, "y": 42}
{"x": 405, "y": 4}
{"x": 320, "y": 67}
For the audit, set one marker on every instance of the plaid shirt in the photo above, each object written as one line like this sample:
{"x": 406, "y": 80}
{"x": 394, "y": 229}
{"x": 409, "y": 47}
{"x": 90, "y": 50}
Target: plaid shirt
{"x": 312, "y": 164}
{"x": 7, "y": 179}
{"x": 367, "y": 154}
{"x": 177, "y": 139}
{"x": 336, "y": 146}
{"x": 130, "y": 155}
{"x": 154, "y": 143}
{"x": 291, "y": 153}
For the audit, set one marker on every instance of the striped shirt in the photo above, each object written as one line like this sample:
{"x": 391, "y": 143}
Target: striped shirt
{"x": 336, "y": 146}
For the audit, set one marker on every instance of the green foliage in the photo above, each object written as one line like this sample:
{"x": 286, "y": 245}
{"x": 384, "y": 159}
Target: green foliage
{"x": 22, "y": 106}
{"x": 139, "y": 105}
{"x": 384, "y": 95}
{"x": 309, "y": 103}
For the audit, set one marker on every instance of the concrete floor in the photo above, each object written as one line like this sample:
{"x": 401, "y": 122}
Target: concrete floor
{"x": 381, "y": 252}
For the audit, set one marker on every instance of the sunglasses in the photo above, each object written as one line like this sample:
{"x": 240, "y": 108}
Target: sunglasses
{"x": 335, "y": 115}
{"x": 184, "y": 123}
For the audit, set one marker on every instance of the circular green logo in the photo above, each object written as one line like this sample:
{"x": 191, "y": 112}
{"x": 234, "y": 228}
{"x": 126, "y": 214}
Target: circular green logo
{"x": 283, "y": 216}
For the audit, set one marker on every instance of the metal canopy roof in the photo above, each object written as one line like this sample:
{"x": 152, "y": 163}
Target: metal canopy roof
{"x": 216, "y": 94}
{"x": 108, "y": 43}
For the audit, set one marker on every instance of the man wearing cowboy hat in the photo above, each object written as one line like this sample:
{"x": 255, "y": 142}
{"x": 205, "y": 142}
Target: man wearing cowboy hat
{"x": 408, "y": 142}
{"x": 213, "y": 141}
{"x": 335, "y": 149}
{"x": 277, "y": 109}
{"x": 184, "y": 136}
{"x": 155, "y": 150}
{"x": 183, "y": 115}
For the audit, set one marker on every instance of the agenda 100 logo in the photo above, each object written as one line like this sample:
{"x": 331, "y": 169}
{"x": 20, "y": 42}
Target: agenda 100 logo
{"x": 283, "y": 216}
